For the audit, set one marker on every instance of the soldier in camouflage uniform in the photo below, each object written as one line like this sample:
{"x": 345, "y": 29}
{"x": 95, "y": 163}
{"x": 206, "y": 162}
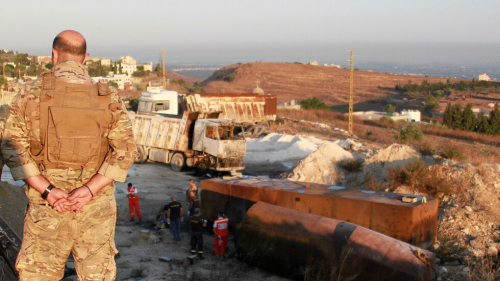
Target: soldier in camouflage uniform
{"x": 77, "y": 210}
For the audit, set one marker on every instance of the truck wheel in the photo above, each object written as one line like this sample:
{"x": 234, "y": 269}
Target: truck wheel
{"x": 143, "y": 156}
{"x": 202, "y": 168}
{"x": 177, "y": 162}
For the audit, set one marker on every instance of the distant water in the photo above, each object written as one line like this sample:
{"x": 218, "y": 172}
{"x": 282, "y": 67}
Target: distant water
{"x": 464, "y": 71}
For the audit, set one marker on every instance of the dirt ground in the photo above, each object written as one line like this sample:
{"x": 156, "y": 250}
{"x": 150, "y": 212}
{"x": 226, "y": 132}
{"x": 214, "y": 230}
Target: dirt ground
{"x": 136, "y": 243}
{"x": 140, "y": 245}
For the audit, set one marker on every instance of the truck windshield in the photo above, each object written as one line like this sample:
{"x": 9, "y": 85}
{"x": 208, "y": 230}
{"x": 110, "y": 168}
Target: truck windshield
{"x": 230, "y": 132}
{"x": 145, "y": 106}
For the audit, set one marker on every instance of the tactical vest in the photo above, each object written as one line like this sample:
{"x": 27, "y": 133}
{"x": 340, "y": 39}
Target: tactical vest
{"x": 74, "y": 121}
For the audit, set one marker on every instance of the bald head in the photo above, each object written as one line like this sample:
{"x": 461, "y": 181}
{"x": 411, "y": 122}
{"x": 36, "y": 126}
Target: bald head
{"x": 69, "y": 45}
{"x": 173, "y": 198}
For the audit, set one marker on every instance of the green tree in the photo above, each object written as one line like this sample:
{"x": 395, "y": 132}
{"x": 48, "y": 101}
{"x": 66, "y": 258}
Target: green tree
{"x": 389, "y": 109}
{"x": 133, "y": 103}
{"x": 495, "y": 120}
{"x": 408, "y": 134}
{"x": 313, "y": 103}
{"x": 113, "y": 83}
{"x": 431, "y": 103}
{"x": 48, "y": 65}
{"x": 469, "y": 119}
{"x": 448, "y": 116}
{"x": 483, "y": 126}
{"x": 457, "y": 116}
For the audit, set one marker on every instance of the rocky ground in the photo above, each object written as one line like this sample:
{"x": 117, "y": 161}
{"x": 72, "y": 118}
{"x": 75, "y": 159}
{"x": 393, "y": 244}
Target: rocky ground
{"x": 468, "y": 231}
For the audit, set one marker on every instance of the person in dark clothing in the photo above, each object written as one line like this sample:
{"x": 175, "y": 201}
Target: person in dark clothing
{"x": 197, "y": 224}
{"x": 174, "y": 217}
{"x": 194, "y": 202}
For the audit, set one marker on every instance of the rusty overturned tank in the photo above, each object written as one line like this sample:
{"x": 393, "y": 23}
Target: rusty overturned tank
{"x": 413, "y": 222}
{"x": 304, "y": 246}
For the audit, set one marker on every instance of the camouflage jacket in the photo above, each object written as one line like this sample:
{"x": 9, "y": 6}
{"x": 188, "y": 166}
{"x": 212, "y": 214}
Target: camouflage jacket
{"x": 23, "y": 125}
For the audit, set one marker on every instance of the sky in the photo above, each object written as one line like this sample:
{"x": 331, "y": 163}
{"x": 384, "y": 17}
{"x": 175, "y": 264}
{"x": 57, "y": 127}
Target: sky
{"x": 232, "y": 31}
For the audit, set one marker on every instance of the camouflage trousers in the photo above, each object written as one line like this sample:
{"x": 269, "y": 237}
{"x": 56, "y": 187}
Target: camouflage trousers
{"x": 49, "y": 237}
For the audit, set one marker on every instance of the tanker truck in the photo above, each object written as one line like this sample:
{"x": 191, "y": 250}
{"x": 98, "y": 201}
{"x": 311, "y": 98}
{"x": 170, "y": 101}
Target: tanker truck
{"x": 166, "y": 131}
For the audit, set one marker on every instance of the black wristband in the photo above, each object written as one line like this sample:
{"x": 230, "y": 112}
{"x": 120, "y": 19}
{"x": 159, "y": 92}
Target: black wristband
{"x": 47, "y": 191}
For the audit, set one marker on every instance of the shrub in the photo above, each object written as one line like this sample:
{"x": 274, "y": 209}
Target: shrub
{"x": 425, "y": 148}
{"x": 133, "y": 103}
{"x": 453, "y": 154}
{"x": 313, "y": 103}
{"x": 389, "y": 108}
{"x": 408, "y": 134}
{"x": 407, "y": 175}
{"x": 351, "y": 165}
{"x": 372, "y": 184}
{"x": 387, "y": 119}
{"x": 435, "y": 182}
{"x": 229, "y": 78}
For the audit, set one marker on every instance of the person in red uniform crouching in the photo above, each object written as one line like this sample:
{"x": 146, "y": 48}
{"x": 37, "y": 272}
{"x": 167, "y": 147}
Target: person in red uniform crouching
{"x": 221, "y": 232}
{"x": 133, "y": 202}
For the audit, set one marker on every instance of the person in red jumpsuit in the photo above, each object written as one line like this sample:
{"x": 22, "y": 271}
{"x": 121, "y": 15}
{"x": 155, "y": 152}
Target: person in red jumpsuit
{"x": 133, "y": 202}
{"x": 221, "y": 232}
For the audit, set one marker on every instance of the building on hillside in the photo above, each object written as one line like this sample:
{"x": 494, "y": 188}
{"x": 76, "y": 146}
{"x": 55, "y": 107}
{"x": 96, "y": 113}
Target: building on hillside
{"x": 313, "y": 63}
{"x": 43, "y": 59}
{"x": 289, "y": 105}
{"x": 405, "y": 115}
{"x": 91, "y": 60}
{"x": 484, "y": 77}
{"x": 258, "y": 90}
{"x": 335, "y": 65}
{"x": 7, "y": 57}
{"x": 128, "y": 68}
{"x": 122, "y": 80}
{"x": 105, "y": 62}
{"x": 414, "y": 115}
{"x": 147, "y": 66}
{"x": 128, "y": 59}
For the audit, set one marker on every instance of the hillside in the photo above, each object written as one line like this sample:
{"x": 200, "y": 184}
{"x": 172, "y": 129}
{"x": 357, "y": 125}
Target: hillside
{"x": 299, "y": 81}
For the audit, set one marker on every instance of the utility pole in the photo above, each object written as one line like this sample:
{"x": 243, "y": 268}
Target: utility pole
{"x": 164, "y": 78}
{"x": 351, "y": 93}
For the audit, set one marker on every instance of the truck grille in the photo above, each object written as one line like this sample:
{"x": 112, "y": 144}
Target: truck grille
{"x": 230, "y": 162}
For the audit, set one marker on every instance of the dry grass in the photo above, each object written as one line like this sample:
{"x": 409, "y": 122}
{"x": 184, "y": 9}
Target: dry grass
{"x": 351, "y": 165}
{"x": 407, "y": 175}
{"x": 483, "y": 270}
{"x": 431, "y": 180}
{"x": 373, "y": 184}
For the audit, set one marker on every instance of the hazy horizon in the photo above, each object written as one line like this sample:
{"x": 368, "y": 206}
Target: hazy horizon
{"x": 224, "y": 32}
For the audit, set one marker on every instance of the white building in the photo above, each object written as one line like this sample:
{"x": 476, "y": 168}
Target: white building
{"x": 147, "y": 66}
{"x": 106, "y": 62}
{"x": 128, "y": 59}
{"x": 128, "y": 68}
{"x": 122, "y": 80}
{"x": 406, "y": 115}
{"x": 414, "y": 115}
{"x": 484, "y": 77}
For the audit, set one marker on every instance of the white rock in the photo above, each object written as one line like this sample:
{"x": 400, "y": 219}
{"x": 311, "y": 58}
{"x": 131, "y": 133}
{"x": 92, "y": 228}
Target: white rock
{"x": 492, "y": 251}
{"x": 468, "y": 208}
{"x": 466, "y": 269}
{"x": 441, "y": 270}
{"x": 477, "y": 253}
